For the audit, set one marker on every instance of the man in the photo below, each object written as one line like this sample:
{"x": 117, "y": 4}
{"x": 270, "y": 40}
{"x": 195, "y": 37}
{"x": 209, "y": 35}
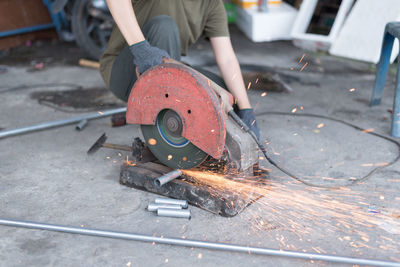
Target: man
{"x": 149, "y": 30}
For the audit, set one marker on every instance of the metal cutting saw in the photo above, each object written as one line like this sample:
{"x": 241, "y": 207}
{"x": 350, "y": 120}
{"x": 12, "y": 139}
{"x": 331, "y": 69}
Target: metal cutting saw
{"x": 184, "y": 119}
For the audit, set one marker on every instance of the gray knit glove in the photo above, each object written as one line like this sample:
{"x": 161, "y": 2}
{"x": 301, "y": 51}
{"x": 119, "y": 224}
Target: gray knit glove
{"x": 248, "y": 117}
{"x": 146, "y": 56}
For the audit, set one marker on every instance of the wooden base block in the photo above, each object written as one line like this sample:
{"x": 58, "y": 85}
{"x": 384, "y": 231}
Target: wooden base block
{"x": 225, "y": 201}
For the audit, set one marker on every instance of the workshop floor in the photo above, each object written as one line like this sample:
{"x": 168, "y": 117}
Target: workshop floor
{"x": 47, "y": 176}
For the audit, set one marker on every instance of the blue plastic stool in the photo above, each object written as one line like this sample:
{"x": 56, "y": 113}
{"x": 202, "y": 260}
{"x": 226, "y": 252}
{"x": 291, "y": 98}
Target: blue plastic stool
{"x": 392, "y": 30}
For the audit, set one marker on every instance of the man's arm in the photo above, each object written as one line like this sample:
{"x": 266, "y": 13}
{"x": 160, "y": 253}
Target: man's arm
{"x": 124, "y": 16}
{"x": 145, "y": 56}
{"x": 230, "y": 70}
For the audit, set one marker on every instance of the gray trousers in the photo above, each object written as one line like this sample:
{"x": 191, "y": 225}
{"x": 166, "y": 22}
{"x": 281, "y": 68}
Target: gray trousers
{"x": 162, "y": 32}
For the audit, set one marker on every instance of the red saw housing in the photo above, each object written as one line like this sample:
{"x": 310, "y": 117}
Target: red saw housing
{"x": 190, "y": 95}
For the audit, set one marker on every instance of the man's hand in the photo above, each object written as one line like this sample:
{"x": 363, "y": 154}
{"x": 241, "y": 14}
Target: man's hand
{"x": 146, "y": 56}
{"x": 248, "y": 117}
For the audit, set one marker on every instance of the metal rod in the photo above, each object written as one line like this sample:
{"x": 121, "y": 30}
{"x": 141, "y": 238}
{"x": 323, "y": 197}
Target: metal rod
{"x": 52, "y": 124}
{"x": 81, "y": 125}
{"x": 160, "y": 181}
{"x": 174, "y": 213}
{"x": 194, "y": 243}
{"x": 162, "y": 200}
{"x": 155, "y": 206}
{"x": 118, "y": 147}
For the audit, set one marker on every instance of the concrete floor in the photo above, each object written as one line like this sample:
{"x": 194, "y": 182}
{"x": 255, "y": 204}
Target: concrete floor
{"x": 47, "y": 176}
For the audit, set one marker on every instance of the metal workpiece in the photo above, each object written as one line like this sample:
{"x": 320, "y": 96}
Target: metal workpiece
{"x": 58, "y": 123}
{"x": 160, "y": 181}
{"x": 163, "y": 212}
{"x": 195, "y": 243}
{"x": 181, "y": 202}
{"x": 155, "y": 207}
{"x": 82, "y": 124}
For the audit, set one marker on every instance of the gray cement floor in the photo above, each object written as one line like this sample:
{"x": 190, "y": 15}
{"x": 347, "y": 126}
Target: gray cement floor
{"x": 47, "y": 176}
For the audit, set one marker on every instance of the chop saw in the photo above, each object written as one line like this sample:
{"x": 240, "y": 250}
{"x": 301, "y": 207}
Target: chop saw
{"x": 184, "y": 119}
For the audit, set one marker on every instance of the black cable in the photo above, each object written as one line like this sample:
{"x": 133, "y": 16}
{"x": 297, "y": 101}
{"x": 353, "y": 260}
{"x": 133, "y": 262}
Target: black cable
{"x": 270, "y": 160}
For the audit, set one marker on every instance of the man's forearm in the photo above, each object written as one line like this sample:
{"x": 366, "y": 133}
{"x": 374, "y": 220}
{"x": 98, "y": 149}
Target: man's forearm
{"x": 124, "y": 15}
{"x": 230, "y": 70}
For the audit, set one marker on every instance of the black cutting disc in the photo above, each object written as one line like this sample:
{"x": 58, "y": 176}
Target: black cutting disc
{"x": 166, "y": 142}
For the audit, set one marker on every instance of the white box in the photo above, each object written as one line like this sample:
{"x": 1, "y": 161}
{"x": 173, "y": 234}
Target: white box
{"x": 275, "y": 24}
{"x": 311, "y": 41}
{"x": 362, "y": 34}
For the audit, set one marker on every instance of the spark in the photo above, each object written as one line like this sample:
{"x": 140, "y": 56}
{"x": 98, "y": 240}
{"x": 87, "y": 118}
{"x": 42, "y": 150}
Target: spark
{"x": 320, "y": 125}
{"x": 101, "y": 113}
{"x": 128, "y": 162}
{"x": 248, "y": 86}
{"x": 294, "y": 110}
{"x": 301, "y": 59}
{"x": 166, "y": 260}
{"x": 184, "y": 158}
{"x": 152, "y": 141}
{"x": 257, "y": 80}
{"x": 304, "y": 66}
{"x": 301, "y": 107}
{"x": 129, "y": 264}
{"x": 367, "y": 164}
{"x": 264, "y": 94}
{"x": 352, "y": 89}
{"x": 169, "y": 157}
{"x": 369, "y": 130}
{"x": 200, "y": 256}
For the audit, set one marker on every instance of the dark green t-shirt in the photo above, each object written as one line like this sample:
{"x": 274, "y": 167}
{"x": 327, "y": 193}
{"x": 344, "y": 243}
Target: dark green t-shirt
{"x": 193, "y": 17}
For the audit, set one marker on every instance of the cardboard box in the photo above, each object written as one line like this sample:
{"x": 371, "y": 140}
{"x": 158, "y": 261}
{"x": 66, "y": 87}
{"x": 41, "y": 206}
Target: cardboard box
{"x": 274, "y": 24}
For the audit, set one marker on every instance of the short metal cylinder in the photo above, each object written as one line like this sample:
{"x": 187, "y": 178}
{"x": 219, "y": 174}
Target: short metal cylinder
{"x": 155, "y": 207}
{"x": 160, "y": 181}
{"x": 174, "y": 213}
{"x": 82, "y": 124}
{"x": 181, "y": 202}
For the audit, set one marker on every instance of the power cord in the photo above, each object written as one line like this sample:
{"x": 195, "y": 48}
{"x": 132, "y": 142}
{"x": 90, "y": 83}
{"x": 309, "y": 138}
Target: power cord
{"x": 290, "y": 174}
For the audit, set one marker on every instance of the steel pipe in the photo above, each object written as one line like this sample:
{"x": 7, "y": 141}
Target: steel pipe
{"x": 155, "y": 206}
{"x": 194, "y": 243}
{"x": 162, "y": 200}
{"x": 163, "y": 212}
{"x": 162, "y": 180}
{"x": 52, "y": 124}
{"x": 82, "y": 124}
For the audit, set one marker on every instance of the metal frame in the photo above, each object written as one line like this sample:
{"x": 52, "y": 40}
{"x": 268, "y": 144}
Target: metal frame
{"x": 59, "y": 21}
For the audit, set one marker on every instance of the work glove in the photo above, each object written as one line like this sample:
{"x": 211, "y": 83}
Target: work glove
{"x": 248, "y": 117}
{"x": 146, "y": 56}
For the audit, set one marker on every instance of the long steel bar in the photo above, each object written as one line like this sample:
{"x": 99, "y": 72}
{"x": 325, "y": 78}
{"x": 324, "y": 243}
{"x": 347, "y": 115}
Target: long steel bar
{"x": 194, "y": 243}
{"x": 52, "y": 124}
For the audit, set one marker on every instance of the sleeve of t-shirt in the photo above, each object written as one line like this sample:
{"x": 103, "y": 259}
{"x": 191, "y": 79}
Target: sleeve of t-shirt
{"x": 217, "y": 21}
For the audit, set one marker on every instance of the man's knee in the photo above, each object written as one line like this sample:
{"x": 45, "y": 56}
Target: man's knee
{"x": 162, "y": 32}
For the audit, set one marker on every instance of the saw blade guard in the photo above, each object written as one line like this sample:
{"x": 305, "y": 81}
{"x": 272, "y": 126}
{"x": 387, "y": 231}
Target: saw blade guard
{"x": 172, "y": 86}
